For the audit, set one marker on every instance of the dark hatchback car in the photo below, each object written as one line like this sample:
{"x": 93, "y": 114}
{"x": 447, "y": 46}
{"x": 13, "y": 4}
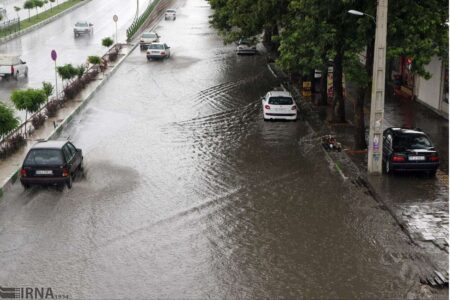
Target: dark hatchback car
{"x": 51, "y": 163}
{"x": 409, "y": 150}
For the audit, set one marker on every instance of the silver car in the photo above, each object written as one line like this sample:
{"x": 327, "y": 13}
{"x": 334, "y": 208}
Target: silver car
{"x": 148, "y": 38}
{"x": 158, "y": 51}
{"x": 170, "y": 14}
{"x": 245, "y": 47}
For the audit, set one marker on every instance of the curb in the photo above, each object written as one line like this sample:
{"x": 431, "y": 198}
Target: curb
{"x": 370, "y": 187}
{"x": 8, "y": 183}
{"x": 42, "y": 23}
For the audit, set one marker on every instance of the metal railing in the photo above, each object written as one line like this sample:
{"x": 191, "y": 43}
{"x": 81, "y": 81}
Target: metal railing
{"x": 60, "y": 98}
{"x": 9, "y": 26}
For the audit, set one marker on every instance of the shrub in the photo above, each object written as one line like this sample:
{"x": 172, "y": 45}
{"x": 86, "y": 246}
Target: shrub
{"x": 52, "y": 108}
{"x": 8, "y": 121}
{"x": 107, "y": 42}
{"x": 38, "y": 120}
{"x": 72, "y": 90}
{"x": 47, "y": 87}
{"x": 113, "y": 56}
{"x": 67, "y": 72}
{"x": 95, "y": 60}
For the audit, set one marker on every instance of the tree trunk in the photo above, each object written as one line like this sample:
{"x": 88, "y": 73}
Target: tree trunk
{"x": 323, "y": 87}
{"x": 360, "y": 128}
{"x": 362, "y": 93}
{"x": 338, "y": 97}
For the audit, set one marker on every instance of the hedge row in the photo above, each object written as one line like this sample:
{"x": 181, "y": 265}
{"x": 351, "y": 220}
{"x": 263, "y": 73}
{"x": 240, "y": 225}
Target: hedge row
{"x": 137, "y": 23}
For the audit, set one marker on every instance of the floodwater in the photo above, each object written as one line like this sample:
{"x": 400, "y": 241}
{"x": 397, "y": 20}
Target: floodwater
{"x": 188, "y": 193}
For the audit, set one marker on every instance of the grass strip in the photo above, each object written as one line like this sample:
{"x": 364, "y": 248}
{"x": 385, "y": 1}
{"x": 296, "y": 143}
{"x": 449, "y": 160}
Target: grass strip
{"x": 28, "y": 22}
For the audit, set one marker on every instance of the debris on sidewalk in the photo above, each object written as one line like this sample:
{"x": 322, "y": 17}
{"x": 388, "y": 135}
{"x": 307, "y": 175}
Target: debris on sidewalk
{"x": 330, "y": 144}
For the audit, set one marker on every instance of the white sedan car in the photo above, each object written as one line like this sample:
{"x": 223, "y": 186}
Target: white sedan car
{"x": 279, "y": 105}
{"x": 245, "y": 47}
{"x": 148, "y": 38}
{"x": 158, "y": 50}
{"x": 170, "y": 14}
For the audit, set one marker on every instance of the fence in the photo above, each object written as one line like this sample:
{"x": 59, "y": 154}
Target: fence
{"x": 61, "y": 99}
{"x": 9, "y": 26}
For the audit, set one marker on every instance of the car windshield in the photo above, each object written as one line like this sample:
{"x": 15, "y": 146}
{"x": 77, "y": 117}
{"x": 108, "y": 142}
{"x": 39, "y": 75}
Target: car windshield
{"x": 44, "y": 157}
{"x": 149, "y": 35}
{"x": 281, "y": 100}
{"x": 79, "y": 24}
{"x": 156, "y": 46}
{"x": 170, "y": 11}
{"x": 412, "y": 141}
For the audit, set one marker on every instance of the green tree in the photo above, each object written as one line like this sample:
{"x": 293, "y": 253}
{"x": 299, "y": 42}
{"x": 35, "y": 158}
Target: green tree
{"x": 81, "y": 69}
{"x": 47, "y": 87}
{"x": 8, "y": 121}
{"x": 51, "y": 1}
{"x": 17, "y": 9}
{"x": 95, "y": 60}
{"x": 67, "y": 72}
{"x": 38, "y": 3}
{"x": 29, "y": 4}
{"x": 29, "y": 100}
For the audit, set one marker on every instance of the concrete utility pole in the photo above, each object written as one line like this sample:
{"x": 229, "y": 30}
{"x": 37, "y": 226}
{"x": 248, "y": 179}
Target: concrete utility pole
{"x": 378, "y": 92}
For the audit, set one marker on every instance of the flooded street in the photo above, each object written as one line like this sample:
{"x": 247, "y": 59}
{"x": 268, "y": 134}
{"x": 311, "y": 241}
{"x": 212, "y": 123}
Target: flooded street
{"x": 188, "y": 193}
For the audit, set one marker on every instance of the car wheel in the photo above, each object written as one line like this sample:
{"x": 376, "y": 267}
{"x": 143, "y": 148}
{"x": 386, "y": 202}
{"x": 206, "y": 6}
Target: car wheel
{"x": 70, "y": 182}
{"x": 16, "y": 76}
{"x": 387, "y": 167}
{"x": 25, "y": 186}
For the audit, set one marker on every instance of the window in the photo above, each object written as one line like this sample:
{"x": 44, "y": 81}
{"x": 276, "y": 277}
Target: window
{"x": 281, "y": 100}
{"x": 149, "y": 35}
{"x": 412, "y": 141}
{"x": 72, "y": 149}
{"x": 67, "y": 155}
{"x": 156, "y": 46}
{"x": 44, "y": 157}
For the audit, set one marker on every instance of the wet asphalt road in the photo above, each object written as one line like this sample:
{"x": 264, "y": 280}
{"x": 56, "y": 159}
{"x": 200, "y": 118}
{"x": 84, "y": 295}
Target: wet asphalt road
{"x": 35, "y": 48}
{"x": 188, "y": 193}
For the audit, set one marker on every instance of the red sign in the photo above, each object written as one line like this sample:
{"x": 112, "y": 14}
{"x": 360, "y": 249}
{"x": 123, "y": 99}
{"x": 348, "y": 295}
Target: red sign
{"x": 54, "y": 55}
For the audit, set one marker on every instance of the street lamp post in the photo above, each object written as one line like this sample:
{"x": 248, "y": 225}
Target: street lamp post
{"x": 374, "y": 161}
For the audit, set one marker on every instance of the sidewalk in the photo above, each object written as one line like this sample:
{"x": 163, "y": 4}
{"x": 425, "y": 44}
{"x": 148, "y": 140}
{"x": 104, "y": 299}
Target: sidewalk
{"x": 418, "y": 205}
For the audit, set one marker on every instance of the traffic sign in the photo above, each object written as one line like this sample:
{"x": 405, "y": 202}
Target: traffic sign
{"x": 115, "y": 18}
{"x": 54, "y": 55}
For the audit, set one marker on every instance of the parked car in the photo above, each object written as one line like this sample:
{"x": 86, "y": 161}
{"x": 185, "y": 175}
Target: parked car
{"x": 170, "y": 14}
{"x": 51, "y": 163}
{"x": 83, "y": 27}
{"x": 279, "y": 105}
{"x": 409, "y": 150}
{"x": 158, "y": 51}
{"x": 245, "y": 46}
{"x": 12, "y": 66}
{"x": 148, "y": 38}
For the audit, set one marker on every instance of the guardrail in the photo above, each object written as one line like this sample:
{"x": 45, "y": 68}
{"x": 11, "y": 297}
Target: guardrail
{"x": 61, "y": 99}
{"x": 10, "y": 26}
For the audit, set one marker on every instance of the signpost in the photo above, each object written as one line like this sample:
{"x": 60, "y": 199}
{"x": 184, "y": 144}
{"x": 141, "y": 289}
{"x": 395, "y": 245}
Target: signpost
{"x": 54, "y": 56}
{"x": 115, "y": 19}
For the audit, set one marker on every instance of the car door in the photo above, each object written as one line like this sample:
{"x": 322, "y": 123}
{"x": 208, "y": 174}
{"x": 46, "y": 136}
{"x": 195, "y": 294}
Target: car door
{"x": 167, "y": 49}
{"x": 69, "y": 156}
{"x": 77, "y": 156}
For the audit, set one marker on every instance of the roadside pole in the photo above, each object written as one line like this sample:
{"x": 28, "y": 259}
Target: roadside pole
{"x": 375, "y": 160}
{"x": 54, "y": 57}
{"x": 115, "y": 19}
